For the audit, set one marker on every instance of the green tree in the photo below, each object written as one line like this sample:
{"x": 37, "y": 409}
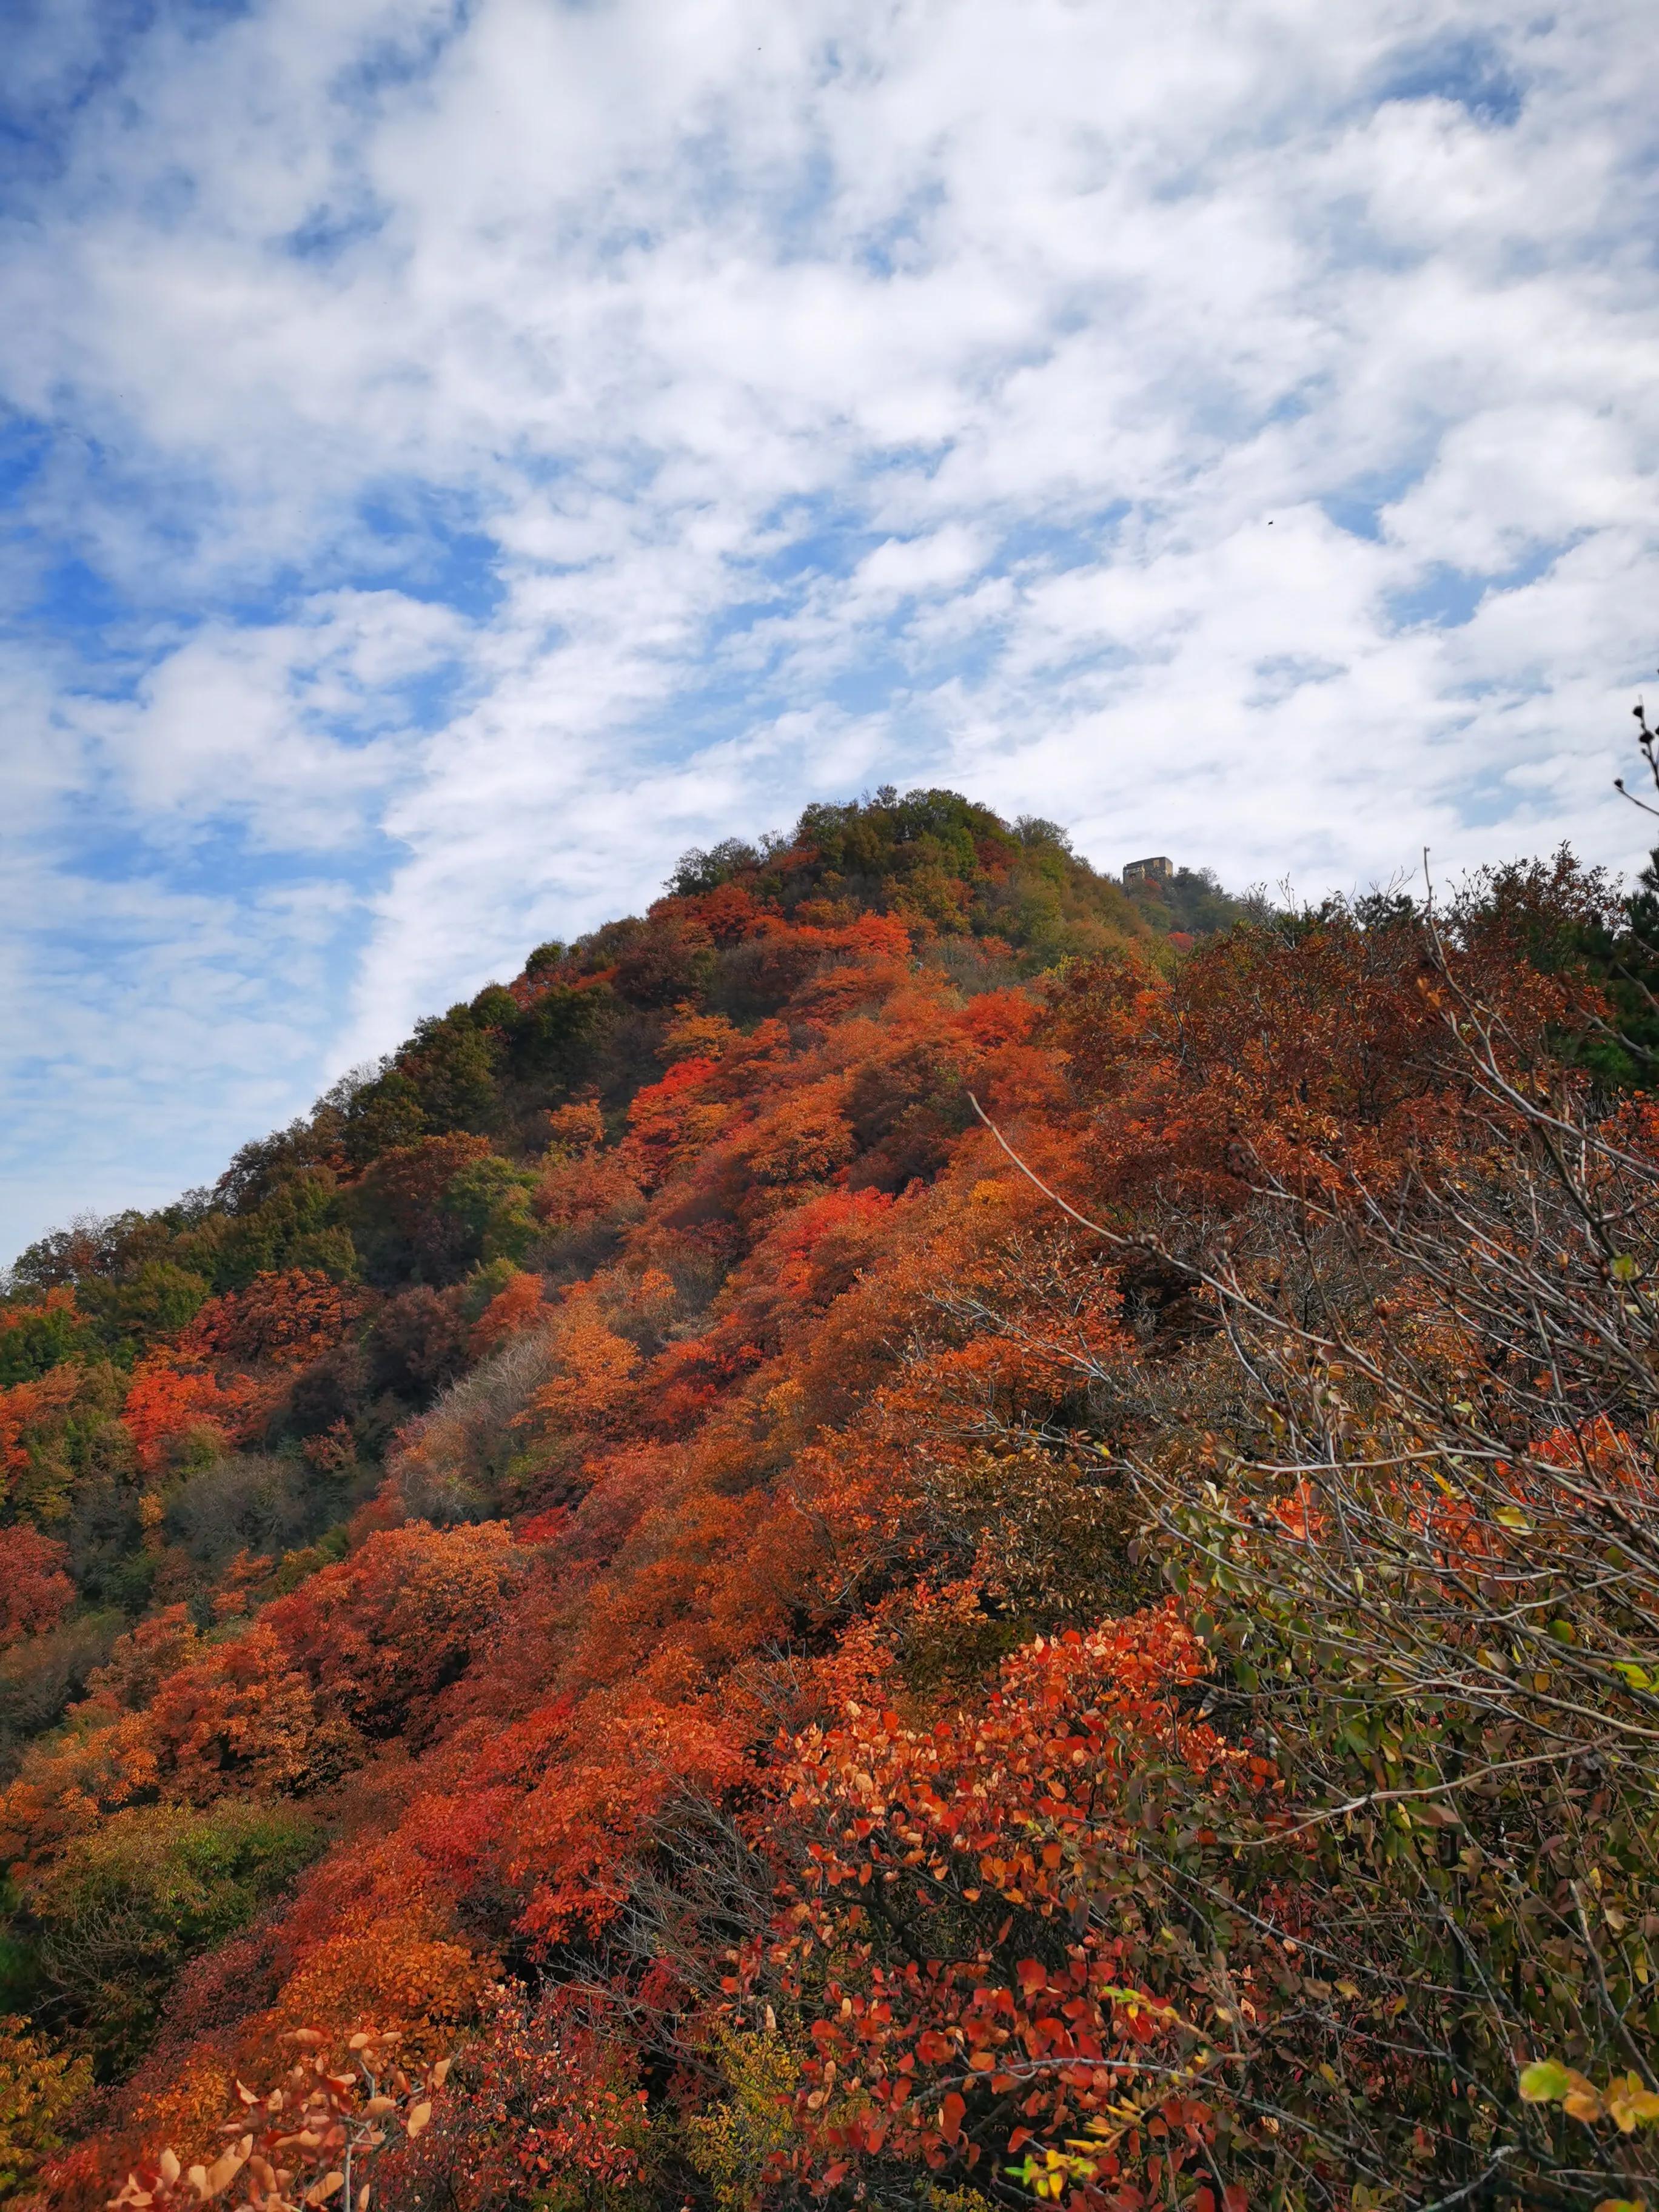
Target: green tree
{"x": 124, "y": 1909}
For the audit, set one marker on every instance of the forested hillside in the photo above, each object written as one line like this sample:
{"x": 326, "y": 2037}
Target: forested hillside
{"x": 918, "y": 1533}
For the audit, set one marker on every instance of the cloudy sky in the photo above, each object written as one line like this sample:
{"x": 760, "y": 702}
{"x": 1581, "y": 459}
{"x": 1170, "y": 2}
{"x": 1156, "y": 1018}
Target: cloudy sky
{"x": 458, "y": 454}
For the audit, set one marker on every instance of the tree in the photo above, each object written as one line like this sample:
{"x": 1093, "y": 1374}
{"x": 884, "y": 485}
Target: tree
{"x": 41, "y": 2089}
{"x": 285, "y": 1318}
{"x": 125, "y": 1907}
{"x": 173, "y": 1405}
{"x": 34, "y": 1590}
{"x": 37, "y": 1337}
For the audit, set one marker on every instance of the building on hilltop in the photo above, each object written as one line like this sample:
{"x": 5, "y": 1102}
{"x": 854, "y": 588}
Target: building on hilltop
{"x": 1158, "y": 870}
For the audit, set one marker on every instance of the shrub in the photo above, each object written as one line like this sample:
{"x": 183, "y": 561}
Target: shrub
{"x": 40, "y": 2089}
{"x": 125, "y": 1907}
{"x": 247, "y": 1501}
{"x": 40, "y": 1676}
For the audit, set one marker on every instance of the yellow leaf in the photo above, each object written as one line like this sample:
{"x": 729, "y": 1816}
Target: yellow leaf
{"x": 320, "y": 2192}
{"x": 418, "y": 2116}
{"x": 1631, "y": 2105}
{"x": 226, "y": 2167}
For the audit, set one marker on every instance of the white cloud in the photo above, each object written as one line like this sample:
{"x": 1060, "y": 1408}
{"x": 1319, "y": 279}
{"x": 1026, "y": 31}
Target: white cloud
{"x": 522, "y": 441}
{"x": 294, "y": 728}
{"x": 901, "y": 568}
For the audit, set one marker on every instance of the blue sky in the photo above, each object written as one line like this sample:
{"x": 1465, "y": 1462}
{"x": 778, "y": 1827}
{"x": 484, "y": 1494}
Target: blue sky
{"x": 455, "y": 454}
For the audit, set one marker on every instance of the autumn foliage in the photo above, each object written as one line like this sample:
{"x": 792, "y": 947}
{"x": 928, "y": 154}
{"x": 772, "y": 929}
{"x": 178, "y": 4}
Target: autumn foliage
{"x": 915, "y": 1533}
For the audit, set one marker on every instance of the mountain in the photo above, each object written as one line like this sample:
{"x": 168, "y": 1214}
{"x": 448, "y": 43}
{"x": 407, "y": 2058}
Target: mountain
{"x": 851, "y": 1544}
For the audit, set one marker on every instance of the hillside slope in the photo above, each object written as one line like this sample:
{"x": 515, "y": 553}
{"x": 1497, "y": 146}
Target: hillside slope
{"x": 620, "y": 1550}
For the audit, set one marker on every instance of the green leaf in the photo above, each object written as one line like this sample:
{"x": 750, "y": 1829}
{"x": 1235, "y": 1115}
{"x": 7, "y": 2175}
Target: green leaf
{"x": 1544, "y": 2082}
{"x": 1625, "y": 1268}
{"x": 1638, "y": 1677}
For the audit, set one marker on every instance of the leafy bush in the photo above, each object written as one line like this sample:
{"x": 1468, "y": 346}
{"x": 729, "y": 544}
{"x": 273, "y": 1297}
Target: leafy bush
{"x": 41, "y": 2090}
{"x": 40, "y": 1677}
{"x": 125, "y": 1907}
{"x": 245, "y": 1502}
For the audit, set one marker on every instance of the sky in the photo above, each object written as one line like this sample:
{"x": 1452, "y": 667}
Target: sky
{"x": 456, "y": 455}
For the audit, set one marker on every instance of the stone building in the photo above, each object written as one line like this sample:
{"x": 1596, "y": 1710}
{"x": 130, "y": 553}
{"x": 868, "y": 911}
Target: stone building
{"x": 1158, "y": 870}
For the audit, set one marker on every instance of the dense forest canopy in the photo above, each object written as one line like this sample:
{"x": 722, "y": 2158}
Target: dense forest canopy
{"x": 917, "y": 1531}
